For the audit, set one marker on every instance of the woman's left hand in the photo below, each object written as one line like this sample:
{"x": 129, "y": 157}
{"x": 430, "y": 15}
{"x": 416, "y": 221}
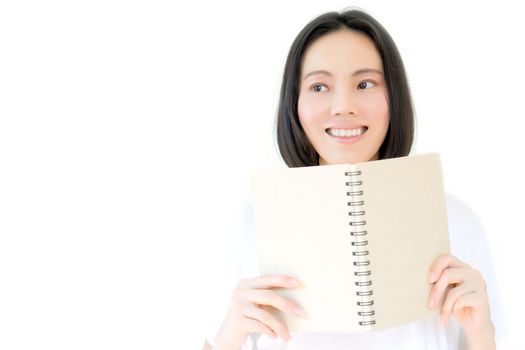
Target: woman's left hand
{"x": 465, "y": 295}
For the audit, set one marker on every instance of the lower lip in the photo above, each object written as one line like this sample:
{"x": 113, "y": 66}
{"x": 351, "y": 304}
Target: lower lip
{"x": 351, "y": 139}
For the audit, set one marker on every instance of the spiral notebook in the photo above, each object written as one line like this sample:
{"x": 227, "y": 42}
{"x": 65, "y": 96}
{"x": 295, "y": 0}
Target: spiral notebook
{"x": 360, "y": 237}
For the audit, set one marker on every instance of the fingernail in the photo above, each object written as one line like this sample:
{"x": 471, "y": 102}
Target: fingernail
{"x": 299, "y": 312}
{"x": 432, "y": 277}
{"x": 293, "y": 282}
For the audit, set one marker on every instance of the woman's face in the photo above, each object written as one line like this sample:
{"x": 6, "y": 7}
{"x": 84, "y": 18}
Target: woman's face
{"x": 343, "y": 102}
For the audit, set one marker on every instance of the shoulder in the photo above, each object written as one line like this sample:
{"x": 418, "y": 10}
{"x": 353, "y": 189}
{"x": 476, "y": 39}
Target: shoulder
{"x": 246, "y": 209}
{"x": 466, "y": 231}
{"x": 459, "y": 213}
{"x": 461, "y": 218}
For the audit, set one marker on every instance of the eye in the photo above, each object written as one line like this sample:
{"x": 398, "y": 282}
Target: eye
{"x": 317, "y": 87}
{"x": 363, "y": 85}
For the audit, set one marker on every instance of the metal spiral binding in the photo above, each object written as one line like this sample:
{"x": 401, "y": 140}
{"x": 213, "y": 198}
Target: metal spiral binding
{"x": 358, "y": 233}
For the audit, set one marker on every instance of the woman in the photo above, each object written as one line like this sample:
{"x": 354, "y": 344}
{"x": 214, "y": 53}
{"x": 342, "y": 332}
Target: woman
{"x": 345, "y": 99}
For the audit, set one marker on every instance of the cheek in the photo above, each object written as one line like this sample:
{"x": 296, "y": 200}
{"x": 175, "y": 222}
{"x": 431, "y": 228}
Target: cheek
{"x": 378, "y": 111}
{"x": 310, "y": 111}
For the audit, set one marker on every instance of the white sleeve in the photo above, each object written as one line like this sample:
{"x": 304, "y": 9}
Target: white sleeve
{"x": 218, "y": 298}
{"x": 469, "y": 242}
{"x": 249, "y": 267}
{"x": 239, "y": 262}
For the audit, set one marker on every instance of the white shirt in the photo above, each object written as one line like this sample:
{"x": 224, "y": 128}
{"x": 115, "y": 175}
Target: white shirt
{"x": 468, "y": 243}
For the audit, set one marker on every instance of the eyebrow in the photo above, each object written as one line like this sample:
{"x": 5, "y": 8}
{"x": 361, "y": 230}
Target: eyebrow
{"x": 357, "y": 72}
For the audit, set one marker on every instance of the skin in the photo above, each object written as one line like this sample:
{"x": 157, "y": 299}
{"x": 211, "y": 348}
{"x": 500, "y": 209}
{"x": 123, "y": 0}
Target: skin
{"x": 344, "y": 100}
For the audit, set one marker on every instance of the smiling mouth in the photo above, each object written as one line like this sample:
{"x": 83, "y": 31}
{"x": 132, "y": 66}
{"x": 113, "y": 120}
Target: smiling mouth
{"x": 346, "y": 132}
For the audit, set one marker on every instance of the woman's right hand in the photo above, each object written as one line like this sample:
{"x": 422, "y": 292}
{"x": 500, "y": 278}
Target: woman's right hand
{"x": 245, "y": 313}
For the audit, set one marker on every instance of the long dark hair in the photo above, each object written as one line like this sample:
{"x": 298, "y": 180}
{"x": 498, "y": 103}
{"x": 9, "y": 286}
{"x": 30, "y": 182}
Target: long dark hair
{"x": 294, "y": 146}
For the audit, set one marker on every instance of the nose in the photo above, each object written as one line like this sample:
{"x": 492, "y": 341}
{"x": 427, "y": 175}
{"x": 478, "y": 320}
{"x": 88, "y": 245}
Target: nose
{"x": 344, "y": 103}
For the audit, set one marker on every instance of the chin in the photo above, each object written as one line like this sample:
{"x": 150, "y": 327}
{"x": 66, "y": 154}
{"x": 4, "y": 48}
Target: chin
{"x": 348, "y": 159}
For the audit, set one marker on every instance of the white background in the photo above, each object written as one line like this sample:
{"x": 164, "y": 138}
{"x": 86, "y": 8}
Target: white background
{"x": 127, "y": 130}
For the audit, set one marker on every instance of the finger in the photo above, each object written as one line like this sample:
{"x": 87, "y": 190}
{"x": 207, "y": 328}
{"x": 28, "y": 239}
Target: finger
{"x": 251, "y": 325}
{"x": 448, "y": 276}
{"x": 442, "y": 262}
{"x": 267, "y": 319}
{"x": 271, "y": 298}
{"x": 452, "y": 296}
{"x": 436, "y": 304}
{"x": 270, "y": 281}
{"x": 472, "y": 300}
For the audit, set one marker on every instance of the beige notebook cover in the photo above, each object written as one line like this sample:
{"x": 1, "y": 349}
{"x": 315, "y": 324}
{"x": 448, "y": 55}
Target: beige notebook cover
{"x": 360, "y": 237}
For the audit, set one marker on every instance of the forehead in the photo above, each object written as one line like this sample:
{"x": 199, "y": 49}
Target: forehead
{"x": 342, "y": 51}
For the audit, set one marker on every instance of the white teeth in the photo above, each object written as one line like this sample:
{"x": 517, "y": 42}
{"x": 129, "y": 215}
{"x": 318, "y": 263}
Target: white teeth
{"x": 346, "y": 132}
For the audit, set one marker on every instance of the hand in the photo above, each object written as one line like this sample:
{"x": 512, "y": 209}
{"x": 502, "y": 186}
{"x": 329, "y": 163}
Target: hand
{"x": 464, "y": 293}
{"x": 246, "y": 313}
